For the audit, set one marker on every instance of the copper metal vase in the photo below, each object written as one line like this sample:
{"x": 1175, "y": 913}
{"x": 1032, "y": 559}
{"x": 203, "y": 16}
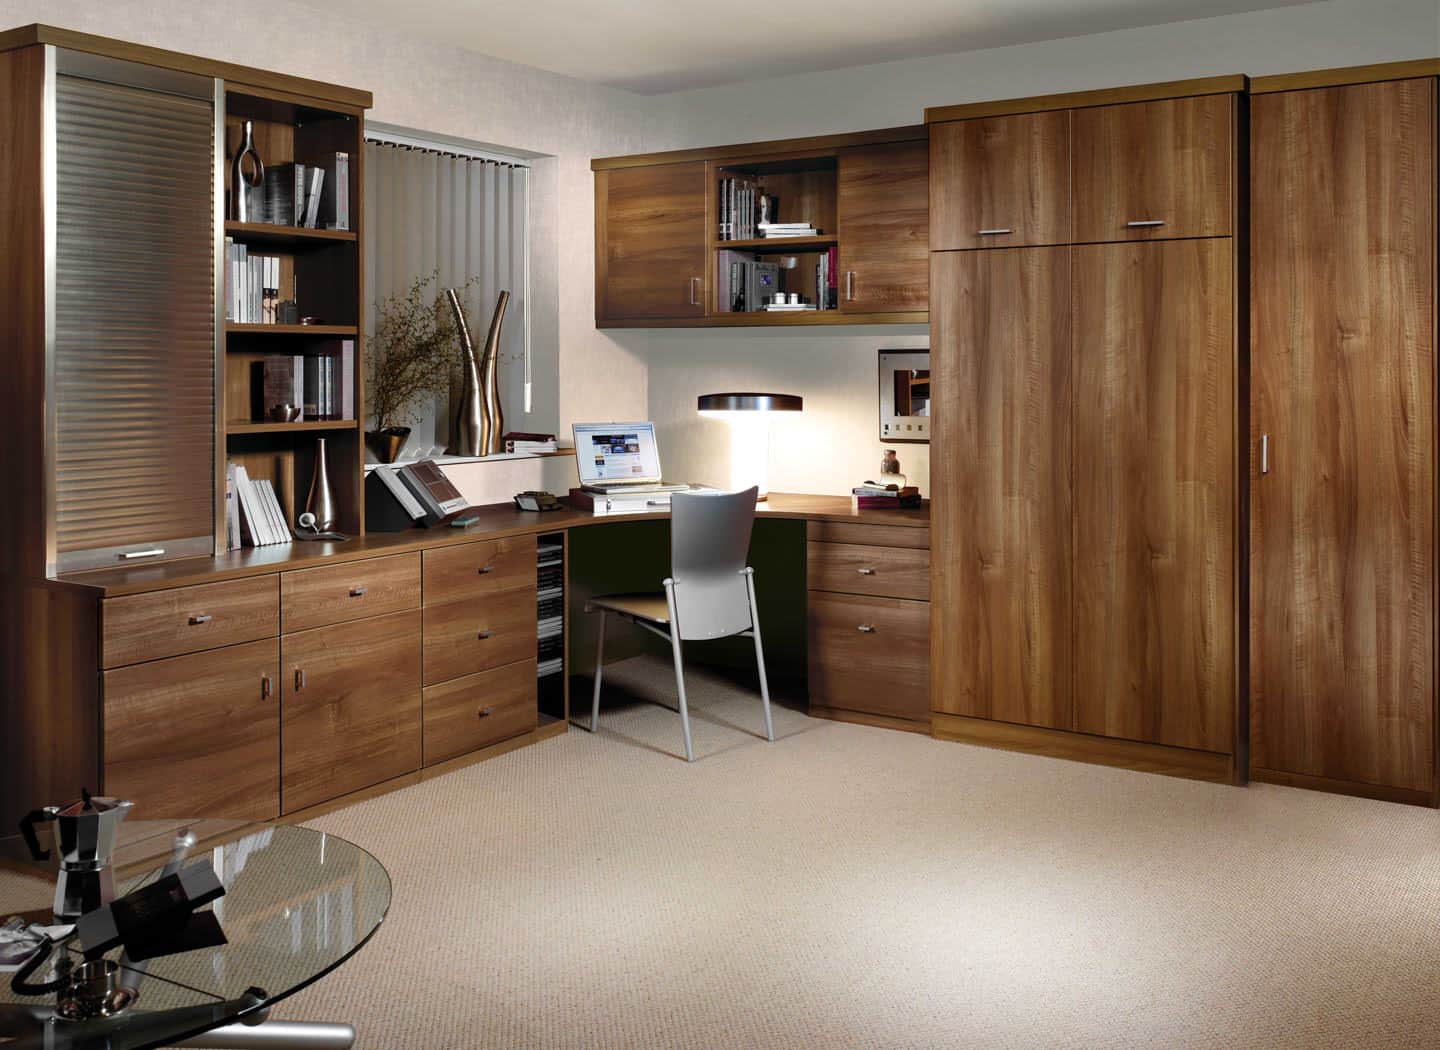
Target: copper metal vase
{"x": 479, "y": 420}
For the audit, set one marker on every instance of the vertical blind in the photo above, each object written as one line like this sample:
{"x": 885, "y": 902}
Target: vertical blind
{"x": 134, "y": 351}
{"x": 429, "y": 211}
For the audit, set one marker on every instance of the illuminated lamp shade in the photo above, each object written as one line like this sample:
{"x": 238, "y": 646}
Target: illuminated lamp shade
{"x": 748, "y": 416}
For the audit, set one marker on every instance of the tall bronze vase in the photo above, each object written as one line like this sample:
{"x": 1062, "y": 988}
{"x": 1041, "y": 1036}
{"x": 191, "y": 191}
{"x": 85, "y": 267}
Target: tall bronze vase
{"x": 479, "y": 419}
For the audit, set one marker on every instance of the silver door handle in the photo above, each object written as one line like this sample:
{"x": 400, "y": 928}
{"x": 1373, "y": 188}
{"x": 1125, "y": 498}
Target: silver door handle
{"x": 693, "y": 282}
{"x": 153, "y": 552}
{"x": 849, "y": 286}
{"x": 299, "y": 679}
{"x": 484, "y": 569}
{"x": 1135, "y": 224}
{"x": 485, "y": 712}
{"x": 200, "y": 618}
{"x": 1264, "y": 453}
{"x": 359, "y": 592}
{"x": 264, "y": 687}
{"x": 484, "y": 634}
{"x": 866, "y": 572}
{"x": 866, "y": 628}
{"x": 992, "y": 233}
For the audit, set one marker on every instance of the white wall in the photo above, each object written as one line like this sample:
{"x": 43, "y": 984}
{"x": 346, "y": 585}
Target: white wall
{"x": 835, "y": 369}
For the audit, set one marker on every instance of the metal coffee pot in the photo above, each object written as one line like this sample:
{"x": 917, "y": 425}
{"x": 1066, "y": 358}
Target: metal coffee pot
{"x": 84, "y": 841}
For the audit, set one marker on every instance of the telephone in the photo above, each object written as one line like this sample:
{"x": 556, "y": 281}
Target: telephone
{"x": 537, "y": 501}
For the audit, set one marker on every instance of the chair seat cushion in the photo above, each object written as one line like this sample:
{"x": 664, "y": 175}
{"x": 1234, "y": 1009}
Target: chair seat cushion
{"x": 651, "y": 607}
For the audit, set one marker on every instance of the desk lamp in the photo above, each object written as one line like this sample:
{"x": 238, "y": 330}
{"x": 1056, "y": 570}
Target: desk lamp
{"x": 748, "y": 416}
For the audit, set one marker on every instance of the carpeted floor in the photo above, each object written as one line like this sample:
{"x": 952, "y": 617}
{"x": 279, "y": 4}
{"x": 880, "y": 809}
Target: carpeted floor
{"x": 854, "y": 887}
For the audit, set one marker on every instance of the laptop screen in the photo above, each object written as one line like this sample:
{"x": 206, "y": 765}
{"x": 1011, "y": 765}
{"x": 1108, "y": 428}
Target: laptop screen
{"x": 610, "y": 452}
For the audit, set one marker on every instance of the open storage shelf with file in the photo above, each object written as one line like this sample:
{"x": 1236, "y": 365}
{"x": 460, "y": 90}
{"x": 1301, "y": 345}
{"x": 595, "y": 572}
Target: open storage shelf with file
{"x": 552, "y": 681}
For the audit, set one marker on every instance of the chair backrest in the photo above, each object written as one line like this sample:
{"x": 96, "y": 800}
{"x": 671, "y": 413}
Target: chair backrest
{"x": 709, "y": 538}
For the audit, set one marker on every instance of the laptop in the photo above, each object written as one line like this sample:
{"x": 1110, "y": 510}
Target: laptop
{"x": 620, "y": 458}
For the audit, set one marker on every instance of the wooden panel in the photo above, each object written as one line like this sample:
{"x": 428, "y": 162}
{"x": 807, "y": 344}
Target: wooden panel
{"x": 1081, "y": 747}
{"x": 861, "y": 718}
{"x": 769, "y": 319}
{"x": 1000, "y": 173}
{"x": 884, "y": 214}
{"x": 1076, "y": 99}
{"x": 478, "y": 710}
{"x": 1315, "y": 78}
{"x": 1154, "y": 492}
{"x": 1342, "y": 536}
{"x": 197, "y": 734}
{"x": 336, "y": 593}
{"x": 889, "y": 572}
{"x": 1000, "y": 546}
{"x": 650, "y": 241}
{"x": 1168, "y": 162}
{"x": 188, "y": 619}
{"x": 478, "y": 634}
{"x": 354, "y": 719}
{"x": 736, "y": 152}
{"x": 871, "y": 535}
{"x": 480, "y": 569}
{"x": 884, "y": 670}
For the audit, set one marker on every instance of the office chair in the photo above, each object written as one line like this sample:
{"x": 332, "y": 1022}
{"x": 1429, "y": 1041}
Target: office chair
{"x": 710, "y": 592}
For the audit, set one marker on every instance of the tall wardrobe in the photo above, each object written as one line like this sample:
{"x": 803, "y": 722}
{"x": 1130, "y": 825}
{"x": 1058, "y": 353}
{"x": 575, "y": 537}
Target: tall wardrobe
{"x": 1085, "y": 355}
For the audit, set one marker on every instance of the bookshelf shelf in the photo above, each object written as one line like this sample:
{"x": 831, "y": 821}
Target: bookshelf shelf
{"x": 274, "y": 234}
{"x": 231, "y": 328}
{"x": 290, "y": 428}
{"x": 779, "y": 244}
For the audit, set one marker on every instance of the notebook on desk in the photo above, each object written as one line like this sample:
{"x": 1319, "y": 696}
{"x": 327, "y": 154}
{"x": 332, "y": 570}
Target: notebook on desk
{"x": 620, "y": 459}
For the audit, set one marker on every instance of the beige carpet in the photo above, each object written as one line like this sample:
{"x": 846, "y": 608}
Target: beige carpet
{"x": 853, "y": 887}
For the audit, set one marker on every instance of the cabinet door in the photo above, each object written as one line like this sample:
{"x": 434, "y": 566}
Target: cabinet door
{"x": 350, "y": 707}
{"x": 197, "y": 735}
{"x": 996, "y": 182}
{"x": 1342, "y": 533}
{"x": 1149, "y": 170}
{"x": 1000, "y": 503}
{"x": 1154, "y": 492}
{"x": 650, "y": 242}
{"x": 884, "y": 214}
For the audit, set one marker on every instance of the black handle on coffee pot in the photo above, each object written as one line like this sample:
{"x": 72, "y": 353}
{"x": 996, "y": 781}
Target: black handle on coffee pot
{"x": 27, "y": 828}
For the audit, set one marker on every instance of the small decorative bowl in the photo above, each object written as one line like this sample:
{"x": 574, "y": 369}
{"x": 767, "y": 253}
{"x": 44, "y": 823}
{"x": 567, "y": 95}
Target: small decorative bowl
{"x": 285, "y": 413}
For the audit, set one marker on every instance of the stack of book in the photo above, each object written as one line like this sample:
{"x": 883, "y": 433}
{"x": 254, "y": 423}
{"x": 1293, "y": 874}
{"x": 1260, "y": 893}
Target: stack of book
{"x": 253, "y": 515}
{"x": 787, "y": 229}
{"x": 252, "y": 285}
{"x": 322, "y": 384}
{"x": 746, "y": 282}
{"x": 738, "y": 204}
{"x": 873, "y": 496}
{"x": 519, "y": 441}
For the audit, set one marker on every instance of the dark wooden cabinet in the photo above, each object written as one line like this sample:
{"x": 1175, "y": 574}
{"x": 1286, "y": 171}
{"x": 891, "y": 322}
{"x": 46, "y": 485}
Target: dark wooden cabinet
{"x": 1154, "y": 488}
{"x": 650, "y": 235}
{"x": 477, "y": 710}
{"x": 196, "y": 734}
{"x": 1000, "y": 504}
{"x": 883, "y": 207}
{"x": 1152, "y": 170}
{"x": 996, "y": 182}
{"x": 350, "y": 704}
{"x": 1343, "y": 447}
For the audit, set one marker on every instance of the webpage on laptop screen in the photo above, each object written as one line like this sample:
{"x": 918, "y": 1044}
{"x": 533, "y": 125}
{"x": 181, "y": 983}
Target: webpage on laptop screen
{"x": 621, "y": 453}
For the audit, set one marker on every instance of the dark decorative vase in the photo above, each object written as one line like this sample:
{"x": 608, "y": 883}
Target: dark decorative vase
{"x": 387, "y": 444}
{"x": 479, "y": 419}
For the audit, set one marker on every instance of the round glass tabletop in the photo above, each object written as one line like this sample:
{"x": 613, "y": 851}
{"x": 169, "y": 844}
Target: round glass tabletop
{"x": 297, "y": 904}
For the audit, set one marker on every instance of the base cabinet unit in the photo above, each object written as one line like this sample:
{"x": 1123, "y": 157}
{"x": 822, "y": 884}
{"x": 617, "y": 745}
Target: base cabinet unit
{"x": 477, "y": 710}
{"x": 868, "y": 624}
{"x": 350, "y": 702}
{"x": 1343, "y": 438}
{"x": 196, "y": 734}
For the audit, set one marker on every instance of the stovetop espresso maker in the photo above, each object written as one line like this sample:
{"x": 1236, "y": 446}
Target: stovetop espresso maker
{"x": 84, "y": 841}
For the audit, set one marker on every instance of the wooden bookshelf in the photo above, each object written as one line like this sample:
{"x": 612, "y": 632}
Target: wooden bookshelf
{"x": 790, "y": 245}
{"x": 262, "y": 232}
{"x": 231, "y": 328}
{"x": 291, "y": 428}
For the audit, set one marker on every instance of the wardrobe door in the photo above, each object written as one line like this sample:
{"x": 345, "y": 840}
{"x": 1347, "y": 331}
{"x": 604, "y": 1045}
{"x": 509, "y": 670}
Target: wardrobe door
{"x": 1342, "y": 534}
{"x": 1000, "y": 505}
{"x": 1154, "y": 492}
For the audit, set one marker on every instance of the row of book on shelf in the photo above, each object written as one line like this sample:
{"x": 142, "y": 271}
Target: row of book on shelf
{"x": 315, "y": 196}
{"x": 253, "y": 514}
{"x": 252, "y": 285}
{"x": 521, "y": 441}
{"x": 747, "y": 213}
{"x": 747, "y": 282}
{"x": 320, "y": 383}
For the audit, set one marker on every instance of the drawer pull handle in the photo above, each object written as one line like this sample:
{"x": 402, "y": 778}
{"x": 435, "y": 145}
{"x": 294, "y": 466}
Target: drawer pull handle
{"x": 264, "y": 687}
{"x": 485, "y": 712}
{"x": 359, "y": 592}
{"x": 299, "y": 679}
{"x": 484, "y": 634}
{"x": 199, "y": 618}
{"x": 866, "y": 628}
{"x": 486, "y": 568}
{"x": 866, "y": 571}
{"x": 1136, "y": 224}
{"x": 153, "y": 552}
{"x": 995, "y": 232}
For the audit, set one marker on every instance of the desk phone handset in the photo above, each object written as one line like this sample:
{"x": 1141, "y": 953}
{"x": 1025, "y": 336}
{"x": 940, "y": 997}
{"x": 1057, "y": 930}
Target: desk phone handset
{"x": 537, "y": 501}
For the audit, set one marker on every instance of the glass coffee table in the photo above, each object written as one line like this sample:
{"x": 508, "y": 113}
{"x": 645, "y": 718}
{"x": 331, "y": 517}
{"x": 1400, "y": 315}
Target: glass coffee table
{"x": 297, "y": 904}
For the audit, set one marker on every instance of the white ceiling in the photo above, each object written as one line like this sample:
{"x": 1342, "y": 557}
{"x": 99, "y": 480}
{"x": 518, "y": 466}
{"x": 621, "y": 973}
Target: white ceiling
{"x": 655, "y": 46}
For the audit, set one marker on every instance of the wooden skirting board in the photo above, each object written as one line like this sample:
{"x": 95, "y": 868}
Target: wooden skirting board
{"x": 1082, "y": 747}
{"x": 860, "y": 718}
{"x": 1344, "y": 787}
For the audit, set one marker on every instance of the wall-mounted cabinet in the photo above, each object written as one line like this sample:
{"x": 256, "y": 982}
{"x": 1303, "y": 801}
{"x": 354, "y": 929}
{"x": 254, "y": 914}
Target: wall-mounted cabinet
{"x": 838, "y": 226}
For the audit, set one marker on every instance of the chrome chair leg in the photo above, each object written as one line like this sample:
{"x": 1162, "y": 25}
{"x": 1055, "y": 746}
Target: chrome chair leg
{"x": 275, "y": 1035}
{"x": 759, "y": 654}
{"x": 599, "y": 671}
{"x": 679, "y": 659}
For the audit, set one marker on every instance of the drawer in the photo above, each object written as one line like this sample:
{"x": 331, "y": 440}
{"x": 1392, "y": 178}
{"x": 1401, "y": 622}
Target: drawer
{"x": 464, "y": 637}
{"x": 870, "y": 654}
{"x": 142, "y": 627}
{"x": 471, "y": 570}
{"x": 197, "y": 734}
{"x": 336, "y": 593}
{"x": 870, "y": 535}
{"x": 478, "y": 710}
{"x": 852, "y": 568}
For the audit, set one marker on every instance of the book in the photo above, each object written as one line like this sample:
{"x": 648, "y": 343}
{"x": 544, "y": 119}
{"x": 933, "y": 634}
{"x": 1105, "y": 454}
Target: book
{"x": 275, "y": 514}
{"x": 311, "y": 388}
{"x": 252, "y": 529}
{"x": 400, "y": 491}
{"x": 280, "y": 194}
{"x": 312, "y": 196}
{"x": 347, "y": 379}
{"x": 335, "y": 202}
{"x": 300, "y": 187}
{"x": 232, "y": 510}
